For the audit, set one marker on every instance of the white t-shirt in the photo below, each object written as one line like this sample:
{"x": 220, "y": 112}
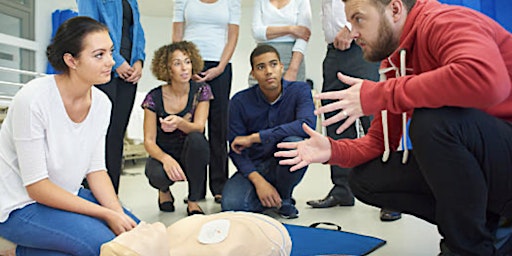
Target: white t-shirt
{"x": 206, "y": 25}
{"x": 38, "y": 140}
{"x": 333, "y": 18}
{"x": 296, "y": 12}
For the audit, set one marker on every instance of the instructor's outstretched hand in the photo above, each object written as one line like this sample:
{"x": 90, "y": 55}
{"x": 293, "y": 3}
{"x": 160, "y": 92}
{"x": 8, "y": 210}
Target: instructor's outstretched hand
{"x": 316, "y": 149}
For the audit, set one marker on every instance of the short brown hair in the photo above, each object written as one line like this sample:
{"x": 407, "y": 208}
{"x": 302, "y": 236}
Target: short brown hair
{"x": 262, "y": 49}
{"x": 159, "y": 64}
{"x": 381, "y": 3}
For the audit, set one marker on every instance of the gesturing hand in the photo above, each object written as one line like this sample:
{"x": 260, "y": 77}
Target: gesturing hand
{"x": 316, "y": 149}
{"x": 170, "y": 123}
{"x": 348, "y": 102}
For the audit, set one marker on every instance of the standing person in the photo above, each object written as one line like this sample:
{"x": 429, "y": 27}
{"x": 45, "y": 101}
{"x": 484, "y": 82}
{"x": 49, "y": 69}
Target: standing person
{"x": 53, "y": 137}
{"x": 345, "y": 56}
{"x": 285, "y": 25}
{"x": 128, "y": 36}
{"x": 212, "y": 25}
{"x": 450, "y": 69}
{"x": 174, "y": 119}
{"x": 259, "y": 118}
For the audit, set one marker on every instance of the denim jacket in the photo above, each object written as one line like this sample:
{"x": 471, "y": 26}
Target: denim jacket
{"x": 110, "y": 13}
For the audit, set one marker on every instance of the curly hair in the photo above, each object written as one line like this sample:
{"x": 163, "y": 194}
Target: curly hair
{"x": 160, "y": 62}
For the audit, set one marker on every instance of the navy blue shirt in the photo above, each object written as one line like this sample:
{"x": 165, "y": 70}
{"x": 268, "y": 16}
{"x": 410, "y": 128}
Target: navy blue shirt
{"x": 250, "y": 112}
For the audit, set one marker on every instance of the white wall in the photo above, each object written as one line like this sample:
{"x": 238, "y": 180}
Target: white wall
{"x": 43, "y": 27}
{"x": 158, "y": 33}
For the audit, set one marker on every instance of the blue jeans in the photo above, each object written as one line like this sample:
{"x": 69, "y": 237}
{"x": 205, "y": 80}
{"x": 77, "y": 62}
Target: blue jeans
{"x": 239, "y": 193}
{"x": 41, "y": 230}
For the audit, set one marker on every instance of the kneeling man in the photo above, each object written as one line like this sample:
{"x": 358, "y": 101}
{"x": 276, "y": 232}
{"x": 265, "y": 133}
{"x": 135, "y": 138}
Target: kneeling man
{"x": 260, "y": 117}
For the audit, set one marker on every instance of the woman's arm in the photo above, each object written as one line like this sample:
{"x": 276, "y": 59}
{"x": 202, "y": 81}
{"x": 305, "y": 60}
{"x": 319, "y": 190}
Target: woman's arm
{"x": 177, "y": 31}
{"x": 200, "y": 116}
{"x": 178, "y": 21}
{"x": 229, "y": 49}
{"x": 293, "y": 68}
{"x": 299, "y": 48}
{"x": 295, "y": 30}
{"x": 47, "y": 193}
{"x": 227, "y": 53}
{"x": 103, "y": 190}
{"x": 170, "y": 165}
{"x": 150, "y": 129}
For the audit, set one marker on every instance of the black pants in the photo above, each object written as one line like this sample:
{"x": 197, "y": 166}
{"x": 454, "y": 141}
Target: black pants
{"x": 218, "y": 128}
{"x": 193, "y": 160}
{"x": 122, "y": 96}
{"x": 349, "y": 62}
{"x": 458, "y": 176}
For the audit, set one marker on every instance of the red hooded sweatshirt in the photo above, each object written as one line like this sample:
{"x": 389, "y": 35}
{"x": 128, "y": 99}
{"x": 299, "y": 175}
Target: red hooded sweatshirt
{"x": 454, "y": 56}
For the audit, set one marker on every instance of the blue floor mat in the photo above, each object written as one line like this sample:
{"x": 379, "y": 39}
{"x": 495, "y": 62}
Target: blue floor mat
{"x": 308, "y": 241}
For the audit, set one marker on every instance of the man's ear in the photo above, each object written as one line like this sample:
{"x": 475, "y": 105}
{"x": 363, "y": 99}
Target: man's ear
{"x": 69, "y": 60}
{"x": 397, "y": 9}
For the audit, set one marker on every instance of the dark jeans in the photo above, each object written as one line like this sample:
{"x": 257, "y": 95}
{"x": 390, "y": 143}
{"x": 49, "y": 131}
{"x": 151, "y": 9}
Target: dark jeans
{"x": 217, "y": 129}
{"x": 458, "y": 176}
{"x": 122, "y": 96}
{"x": 240, "y": 194}
{"x": 193, "y": 160}
{"x": 349, "y": 62}
{"x": 41, "y": 230}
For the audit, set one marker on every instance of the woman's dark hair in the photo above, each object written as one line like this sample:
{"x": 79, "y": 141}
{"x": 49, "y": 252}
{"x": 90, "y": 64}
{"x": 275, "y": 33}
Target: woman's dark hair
{"x": 262, "y": 49}
{"x": 160, "y": 62}
{"x": 69, "y": 39}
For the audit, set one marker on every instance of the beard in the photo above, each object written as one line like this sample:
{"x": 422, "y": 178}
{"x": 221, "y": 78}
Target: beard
{"x": 385, "y": 44}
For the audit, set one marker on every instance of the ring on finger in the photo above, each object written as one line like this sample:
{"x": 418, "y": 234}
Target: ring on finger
{"x": 344, "y": 113}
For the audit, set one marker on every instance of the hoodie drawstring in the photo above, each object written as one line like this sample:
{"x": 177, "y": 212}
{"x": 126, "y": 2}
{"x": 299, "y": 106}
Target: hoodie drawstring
{"x": 384, "y": 113}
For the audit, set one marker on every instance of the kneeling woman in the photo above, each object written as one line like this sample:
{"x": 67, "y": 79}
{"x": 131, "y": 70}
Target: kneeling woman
{"x": 53, "y": 137}
{"x": 174, "y": 119}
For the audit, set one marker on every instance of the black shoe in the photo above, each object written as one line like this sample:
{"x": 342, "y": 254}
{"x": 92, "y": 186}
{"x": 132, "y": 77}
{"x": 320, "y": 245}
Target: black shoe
{"x": 389, "y": 215}
{"x": 190, "y": 213}
{"x": 217, "y": 199}
{"x": 166, "y": 206}
{"x": 185, "y": 200}
{"x": 330, "y": 201}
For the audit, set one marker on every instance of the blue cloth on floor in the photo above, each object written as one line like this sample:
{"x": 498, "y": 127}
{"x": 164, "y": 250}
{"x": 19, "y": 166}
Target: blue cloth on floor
{"x": 307, "y": 241}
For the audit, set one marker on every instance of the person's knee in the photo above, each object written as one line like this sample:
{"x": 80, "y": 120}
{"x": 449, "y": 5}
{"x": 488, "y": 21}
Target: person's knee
{"x": 156, "y": 175}
{"x": 228, "y": 204}
{"x": 427, "y": 122}
{"x": 231, "y": 202}
{"x": 361, "y": 179}
{"x": 198, "y": 144}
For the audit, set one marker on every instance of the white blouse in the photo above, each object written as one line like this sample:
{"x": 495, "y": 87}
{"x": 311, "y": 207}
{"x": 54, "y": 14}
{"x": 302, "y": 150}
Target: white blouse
{"x": 38, "y": 140}
{"x": 296, "y": 12}
{"x": 206, "y": 24}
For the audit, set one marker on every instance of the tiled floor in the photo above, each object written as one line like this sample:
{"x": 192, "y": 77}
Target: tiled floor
{"x": 407, "y": 236}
